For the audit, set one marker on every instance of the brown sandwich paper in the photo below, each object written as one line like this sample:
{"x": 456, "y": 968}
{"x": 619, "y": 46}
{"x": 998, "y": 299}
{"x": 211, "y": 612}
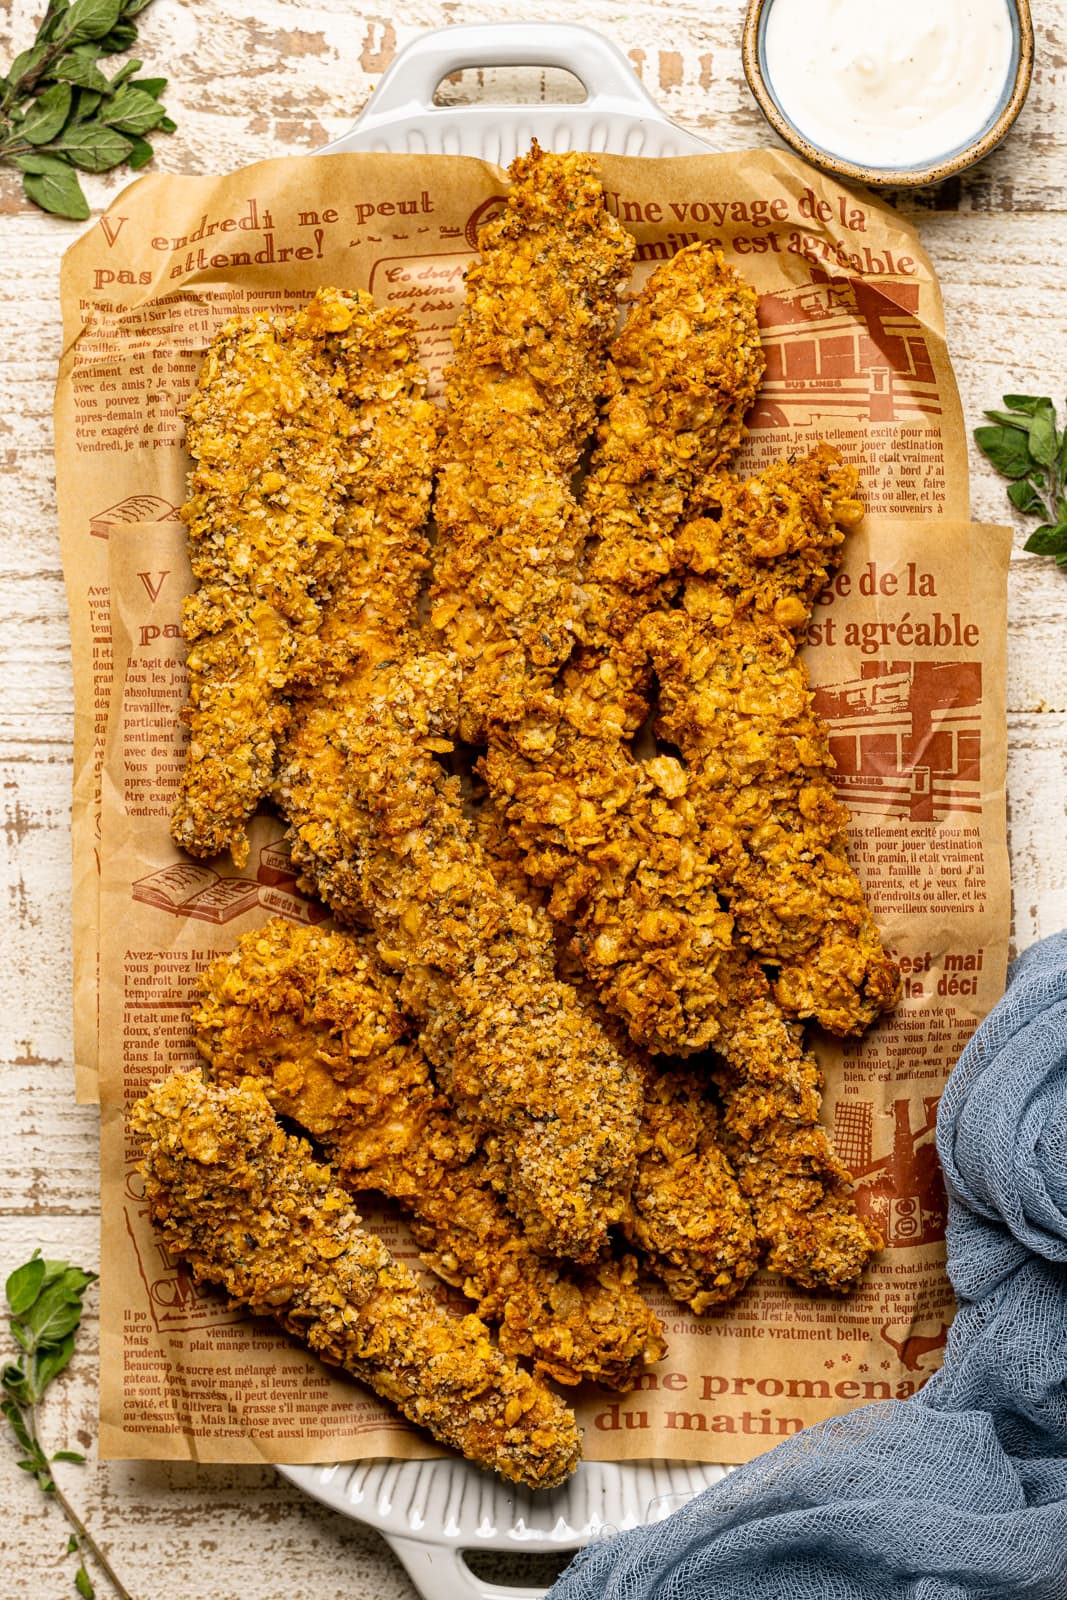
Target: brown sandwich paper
{"x": 906, "y": 652}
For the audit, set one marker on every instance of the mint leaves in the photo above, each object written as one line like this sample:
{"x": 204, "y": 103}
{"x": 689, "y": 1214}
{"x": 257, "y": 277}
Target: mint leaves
{"x": 1025, "y": 445}
{"x": 59, "y": 113}
{"x": 44, "y": 1299}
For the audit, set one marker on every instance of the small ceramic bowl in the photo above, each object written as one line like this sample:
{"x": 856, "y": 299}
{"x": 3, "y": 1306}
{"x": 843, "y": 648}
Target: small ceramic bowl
{"x": 947, "y": 164}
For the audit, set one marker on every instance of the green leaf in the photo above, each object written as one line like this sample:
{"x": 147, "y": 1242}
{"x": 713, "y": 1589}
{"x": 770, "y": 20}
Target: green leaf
{"x": 125, "y": 73}
{"x": 1043, "y": 437}
{"x": 168, "y": 125}
{"x": 95, "y": 149}
{"x": 19, "y": 1334}
{"x": 25, "y": 63}
{"x": 69, "y": 1455}
{"x": 72, "y": 1545}
{"x": 140, "y": 155}
{"x": 18, "y": 1424}
{"x": 14, "y": 1383}
{"x": 58, "y": 1309}
{"x": 88, "y": 102}
{"x": 50, "y": 1362}
{"x": 133, "y": 111}
{"x": 1026, "y": 403}
{"x": 47, "y": 116}
{"x": 80, "y": 70}
{"x": 58, "y": 193}
{"x": 54, "y": 15}
{"x": 1048, "y": 540}
{"x": 1024, "y": 497}
{"x": 83, "y": 1585}
{"x": 121, "y": 37}
{"x": 1007, "y": 449}
{"x": 152, "y": 86}
{"x": 24, "y": 1285}
{"x": 90, "y": 19}
{"x": 1010, "y": 420}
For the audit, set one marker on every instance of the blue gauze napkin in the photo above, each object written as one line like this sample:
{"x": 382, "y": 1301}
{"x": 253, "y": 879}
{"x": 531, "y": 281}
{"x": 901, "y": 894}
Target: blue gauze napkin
{"x": 961, "y": 1491}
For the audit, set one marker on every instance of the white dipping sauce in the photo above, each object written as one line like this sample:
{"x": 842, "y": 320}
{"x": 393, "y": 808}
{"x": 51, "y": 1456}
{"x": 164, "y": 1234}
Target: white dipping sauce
{"x": 888, "y": 83}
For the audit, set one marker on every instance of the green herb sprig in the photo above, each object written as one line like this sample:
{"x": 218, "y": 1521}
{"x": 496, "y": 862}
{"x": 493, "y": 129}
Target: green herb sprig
{"x": 1026, "y": 446}
{"x": 45, "y": 1301}
{"x": 59, "y": 112}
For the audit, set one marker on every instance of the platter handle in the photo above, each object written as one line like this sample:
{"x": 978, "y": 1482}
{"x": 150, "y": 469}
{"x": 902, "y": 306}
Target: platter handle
{"x": 407, "y": 88}
{"x": 439, "y": 1572}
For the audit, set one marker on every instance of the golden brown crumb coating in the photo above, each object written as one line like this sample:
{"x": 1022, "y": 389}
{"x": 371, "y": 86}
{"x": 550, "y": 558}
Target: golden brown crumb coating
{"x": 311, "y": 1015}
{"x": 313, "y": 451}
{"x": 683, "y": 372}
{"x": 541, "y": 309}
{"x": 380, "y": 833}
{"x": 268, "y": 436}
{"x": 736, "y": 701}
{"x": 687, "y": 1214}
{"x": 249, "y": 1208}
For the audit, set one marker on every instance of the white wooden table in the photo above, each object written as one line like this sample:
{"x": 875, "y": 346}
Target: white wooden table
{"x": 280, "y": 77}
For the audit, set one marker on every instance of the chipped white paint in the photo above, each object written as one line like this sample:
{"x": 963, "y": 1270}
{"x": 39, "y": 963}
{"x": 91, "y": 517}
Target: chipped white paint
{"x": 283, "y": 76}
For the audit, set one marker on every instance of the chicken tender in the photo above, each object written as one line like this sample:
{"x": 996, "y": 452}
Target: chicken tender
{"x": 379, "y": 831}
{"x": 736, "y": 701}
{"x": 687, "y": 1214}
{"x": 311, "y": 1015}
{"x": 268, "y": 436}
{"x": 250, "y": 1209}
{"x": 530, "y": 345}
{"x": 612, "y": 836}
{"x": 311, "y": 440}
{"x": 800, "y": 1192}
{"x": 683, "y": 372}
{"x": 370, "y": 355}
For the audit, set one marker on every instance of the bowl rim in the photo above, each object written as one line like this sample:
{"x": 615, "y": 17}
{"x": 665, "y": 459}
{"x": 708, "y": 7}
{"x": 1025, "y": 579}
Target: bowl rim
{"x": 886, "y": 177}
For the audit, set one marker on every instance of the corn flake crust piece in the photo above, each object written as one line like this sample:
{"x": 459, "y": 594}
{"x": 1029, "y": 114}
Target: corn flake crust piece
{"x": 310, "y": 437}
{"x": 736, "y": 701}
{"x": 541, "y": 309}
{"x": 311, "y": 1015}
{"x": 683, "y": 372}
{"x": 248, "y": 1208}
{"x": 380, "y": 834}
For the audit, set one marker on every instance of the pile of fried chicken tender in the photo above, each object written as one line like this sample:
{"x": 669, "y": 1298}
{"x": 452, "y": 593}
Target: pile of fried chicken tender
{"x": 555, "y": 770}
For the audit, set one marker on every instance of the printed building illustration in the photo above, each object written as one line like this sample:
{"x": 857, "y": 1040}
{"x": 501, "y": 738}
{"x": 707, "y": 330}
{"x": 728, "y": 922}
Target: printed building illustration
{"x": 906, "y": 737}
{"x": 844, "y": 348}
{"x": 902, "y": 1192}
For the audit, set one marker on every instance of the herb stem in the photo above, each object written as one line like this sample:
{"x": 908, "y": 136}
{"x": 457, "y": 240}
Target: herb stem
{"x": 86, "y": 1541}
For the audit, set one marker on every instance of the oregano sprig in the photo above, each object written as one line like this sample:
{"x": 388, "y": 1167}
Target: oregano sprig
{"x": 45, "y": 1302}
{"x": 59, "y": 112}
{"x": 1026, "y": 446}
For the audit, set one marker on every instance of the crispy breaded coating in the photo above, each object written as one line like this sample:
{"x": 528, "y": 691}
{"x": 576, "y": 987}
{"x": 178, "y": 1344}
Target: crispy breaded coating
{"x": 371, "y": 356}
{"x": 249, "y": 1208}
{"x": 380, "y": 834}
{"x": 268, "y": 436}
{"x": 683, "y": 372}
{"x": 311, "y": 1015}
{"x": 736, "y": 701}
{"x": 687, "y": 1214}
{"x": 616, "y": 842}
{"x": 541, "y": 309}
{"x": 612, "y": 836}
{"x": 313, "y": 452}
{"x": 800, "y": 1193}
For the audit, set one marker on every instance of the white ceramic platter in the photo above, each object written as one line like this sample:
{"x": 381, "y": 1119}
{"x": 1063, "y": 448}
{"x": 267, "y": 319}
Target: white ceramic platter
{"x": 431, "y": 1512}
